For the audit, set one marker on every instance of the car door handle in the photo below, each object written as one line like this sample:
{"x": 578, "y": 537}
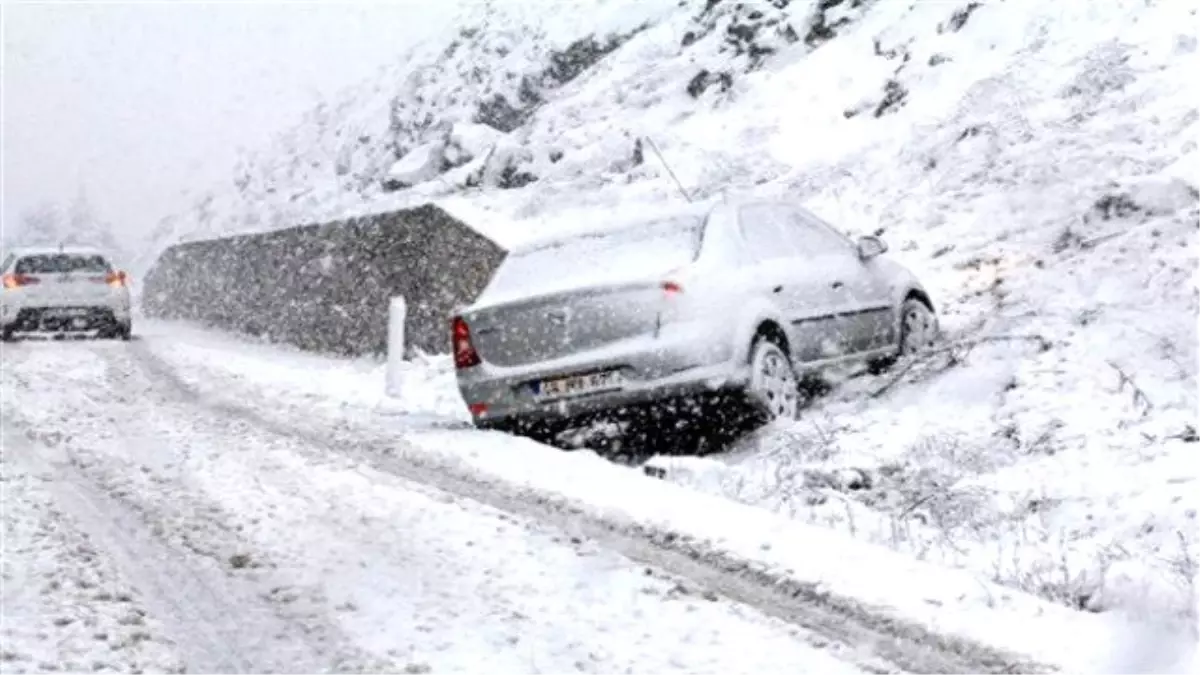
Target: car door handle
{"x": 837, "y": 284}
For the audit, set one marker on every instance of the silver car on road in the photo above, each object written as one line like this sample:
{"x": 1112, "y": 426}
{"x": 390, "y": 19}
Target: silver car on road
{"x": 735, "y": 302}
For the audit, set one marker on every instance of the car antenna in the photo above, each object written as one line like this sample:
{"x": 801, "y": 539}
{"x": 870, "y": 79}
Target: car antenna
{"x": 662, "y": 159}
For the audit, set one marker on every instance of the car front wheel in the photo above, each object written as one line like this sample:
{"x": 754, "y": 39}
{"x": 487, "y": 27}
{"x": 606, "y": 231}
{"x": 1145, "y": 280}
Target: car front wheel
{"x": 918, "y": 331}
{"x": 918, "y": 327}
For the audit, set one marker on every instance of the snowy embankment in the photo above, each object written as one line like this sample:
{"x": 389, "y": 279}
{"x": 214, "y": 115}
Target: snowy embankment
{"x": 301, "y": 391}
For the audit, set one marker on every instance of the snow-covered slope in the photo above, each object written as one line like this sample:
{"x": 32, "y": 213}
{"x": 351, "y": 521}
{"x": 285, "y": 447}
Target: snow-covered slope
{"x": 502, "y": 62}
{"x": 1036, "y": 163}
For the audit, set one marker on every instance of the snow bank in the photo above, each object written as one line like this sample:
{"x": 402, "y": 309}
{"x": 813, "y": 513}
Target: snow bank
{"x": 949, "y": 602}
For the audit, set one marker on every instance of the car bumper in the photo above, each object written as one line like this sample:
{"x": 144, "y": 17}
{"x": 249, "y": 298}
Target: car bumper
{"x": 654, "y": 371}
{"x": 70, "y": 319}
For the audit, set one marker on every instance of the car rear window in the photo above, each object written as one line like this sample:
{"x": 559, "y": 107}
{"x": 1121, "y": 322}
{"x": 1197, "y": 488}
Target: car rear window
{"x": 656, "y": 247}
{"x": 62, "y": 263}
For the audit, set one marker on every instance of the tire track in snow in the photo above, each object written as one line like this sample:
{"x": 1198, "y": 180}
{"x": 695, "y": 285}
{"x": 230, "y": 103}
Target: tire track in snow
{"x": 218, "y": 622}
{"x": 192, "y": 609}
{"x": 830, "y": 618}
{"x": 64, "y": 603}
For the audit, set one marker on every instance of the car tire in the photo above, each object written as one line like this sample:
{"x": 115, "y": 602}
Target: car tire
{"x": 116, "y": 331}
{"x": 6, "y": 334}
{"x": 882, "y": 365}
{"x": 668, "y": 428}
{"x": 919, "y": 330}
{"x": 774, "y": 388}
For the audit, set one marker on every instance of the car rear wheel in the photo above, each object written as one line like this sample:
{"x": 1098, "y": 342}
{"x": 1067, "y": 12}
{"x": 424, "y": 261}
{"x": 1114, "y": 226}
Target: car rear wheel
{"x": 774, "y": 389}
{"x": 116, "y": 331}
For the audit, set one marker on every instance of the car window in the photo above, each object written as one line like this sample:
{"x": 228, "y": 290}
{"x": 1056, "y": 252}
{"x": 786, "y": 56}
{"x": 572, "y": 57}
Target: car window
{"x": 62, "y": 263}
{"x": 649, "y": 248}
{"x": 811, "y": 236}
{"x": 763, "y": 231}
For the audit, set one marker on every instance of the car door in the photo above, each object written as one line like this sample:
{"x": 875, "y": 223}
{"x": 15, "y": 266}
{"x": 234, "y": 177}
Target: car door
{"x": 795, "y": 281}
{"x": 862, "y": 299}
{"x": 765, "y": 259}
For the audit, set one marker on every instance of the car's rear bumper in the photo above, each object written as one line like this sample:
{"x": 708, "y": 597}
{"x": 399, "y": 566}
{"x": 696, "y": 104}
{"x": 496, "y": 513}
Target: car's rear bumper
{"x": 666, "y": 370}
{"x": 680, "y": 396}
{"x": 66, "y": 319}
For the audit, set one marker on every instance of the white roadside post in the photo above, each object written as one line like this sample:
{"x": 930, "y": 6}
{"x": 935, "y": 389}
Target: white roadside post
{"x": 397, "y": 311}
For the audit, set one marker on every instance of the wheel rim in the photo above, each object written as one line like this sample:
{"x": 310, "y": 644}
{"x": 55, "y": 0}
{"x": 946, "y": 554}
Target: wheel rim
{"x": 777, "y": 386}
{"x": 920, "y": 328}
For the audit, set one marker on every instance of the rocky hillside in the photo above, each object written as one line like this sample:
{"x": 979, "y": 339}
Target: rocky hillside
{"x": 516, "y": 96}
{"x": 735, "y": 94}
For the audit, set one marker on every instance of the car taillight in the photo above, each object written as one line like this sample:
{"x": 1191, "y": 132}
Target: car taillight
{"x": 465, "y": 355}
{"x": 671, "y": 288}
{"x": 18, "y": 280}
{"x": 116, "y": 279}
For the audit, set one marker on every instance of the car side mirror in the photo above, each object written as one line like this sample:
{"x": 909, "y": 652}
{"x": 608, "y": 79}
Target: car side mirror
{"x": 869, "y": 247}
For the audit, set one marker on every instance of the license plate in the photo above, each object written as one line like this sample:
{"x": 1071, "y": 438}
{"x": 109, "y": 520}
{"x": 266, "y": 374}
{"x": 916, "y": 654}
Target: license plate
{"x": 66, "y": 313}
{"x": 578, "y": 385}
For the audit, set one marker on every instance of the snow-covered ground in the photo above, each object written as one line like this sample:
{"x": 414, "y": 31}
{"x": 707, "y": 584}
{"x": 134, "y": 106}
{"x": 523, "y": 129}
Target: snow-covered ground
{"x": 64, "y": 603}
{"x": 304, "y": 391}
{"x": 148, "y": 528}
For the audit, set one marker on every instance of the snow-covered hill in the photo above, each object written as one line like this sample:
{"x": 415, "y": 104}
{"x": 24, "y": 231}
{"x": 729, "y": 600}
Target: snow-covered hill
{"x": 1035, "y": 162}
{"x": 521, "y": 94}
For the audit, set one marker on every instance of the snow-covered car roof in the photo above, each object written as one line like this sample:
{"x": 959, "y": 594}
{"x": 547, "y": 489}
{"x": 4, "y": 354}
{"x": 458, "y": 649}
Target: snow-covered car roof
{"x": 619, "y": 224}
{"x": 50, "y": 250}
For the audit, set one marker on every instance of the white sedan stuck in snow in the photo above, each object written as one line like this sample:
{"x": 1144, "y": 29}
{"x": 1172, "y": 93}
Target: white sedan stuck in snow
{"x": 733, "y": 302}
{"x": 69, "y": 292}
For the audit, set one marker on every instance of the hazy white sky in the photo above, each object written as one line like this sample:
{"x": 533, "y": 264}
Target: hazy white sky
{"x": 140, "y": 101}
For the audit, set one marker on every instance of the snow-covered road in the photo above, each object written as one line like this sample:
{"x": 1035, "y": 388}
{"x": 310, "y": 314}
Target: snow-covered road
{"x": 202, "y": 502}
{"x": 144, "y": 528}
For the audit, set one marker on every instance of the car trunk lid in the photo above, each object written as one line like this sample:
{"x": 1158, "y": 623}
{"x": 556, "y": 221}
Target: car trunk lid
{"x": 63, "y": 279}
{"x": 558, "y": 325}
{"x": 580, "y": 293}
